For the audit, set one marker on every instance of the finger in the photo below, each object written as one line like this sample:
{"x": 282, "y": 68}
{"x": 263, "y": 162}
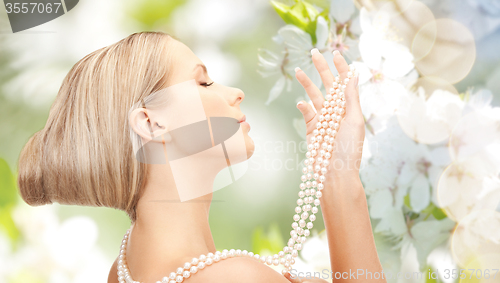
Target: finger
{"x": 323, "y": 69}
{"x": 307, "y": 111}
{"x": 353, "y": 106}
{"x": 311, "y": 89}
{"x": 293, "y": 280}
{"x": 340, "y": 64}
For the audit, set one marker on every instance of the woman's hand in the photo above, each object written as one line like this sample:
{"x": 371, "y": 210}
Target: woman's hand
{"x": 308, "y": 280}
{"x": 344, "y": 207}
{"x": 348, "y": 146}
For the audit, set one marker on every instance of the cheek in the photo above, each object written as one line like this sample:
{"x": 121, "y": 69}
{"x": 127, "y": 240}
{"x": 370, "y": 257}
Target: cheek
{"x": 214, "y": 106}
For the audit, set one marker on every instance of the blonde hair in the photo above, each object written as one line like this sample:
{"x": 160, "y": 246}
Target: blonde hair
{"x": 84, "y": 154}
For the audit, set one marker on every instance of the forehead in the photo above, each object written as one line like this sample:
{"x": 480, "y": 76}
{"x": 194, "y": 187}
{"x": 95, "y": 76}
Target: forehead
{"x": 183, "y": 61}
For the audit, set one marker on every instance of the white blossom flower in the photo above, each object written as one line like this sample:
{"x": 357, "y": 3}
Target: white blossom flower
{"x": 385, "y": 65}
{"x": 56, "y": 252}
{"x": 429, "y": 120}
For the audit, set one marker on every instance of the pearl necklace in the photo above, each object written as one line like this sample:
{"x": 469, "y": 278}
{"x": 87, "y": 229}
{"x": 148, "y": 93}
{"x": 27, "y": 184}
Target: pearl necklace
{"x": 312, "y": 183}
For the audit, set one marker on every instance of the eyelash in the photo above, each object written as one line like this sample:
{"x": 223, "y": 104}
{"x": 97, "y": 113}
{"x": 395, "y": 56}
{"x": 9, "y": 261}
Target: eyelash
{"x": 207, "y": 84}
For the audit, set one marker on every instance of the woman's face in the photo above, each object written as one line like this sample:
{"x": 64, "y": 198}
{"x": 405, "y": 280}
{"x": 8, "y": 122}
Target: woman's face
{"x": 218, "y": 100}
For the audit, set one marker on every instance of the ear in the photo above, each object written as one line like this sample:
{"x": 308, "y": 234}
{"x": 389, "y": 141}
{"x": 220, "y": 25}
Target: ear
{"x": 145, "y": 126}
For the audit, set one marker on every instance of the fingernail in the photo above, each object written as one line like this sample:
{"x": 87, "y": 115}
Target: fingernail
{"x": 335, "y": 53}
{"x": 297, "y": 69}
{"x": 356, "y": 81}
{"x": 299, "y": 103}
{"x": 314, "y": 51}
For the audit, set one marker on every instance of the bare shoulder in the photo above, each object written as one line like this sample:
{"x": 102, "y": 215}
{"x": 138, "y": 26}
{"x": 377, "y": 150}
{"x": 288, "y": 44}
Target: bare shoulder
{"x": 113, "y": 276}
{"x": 238, "y": 269}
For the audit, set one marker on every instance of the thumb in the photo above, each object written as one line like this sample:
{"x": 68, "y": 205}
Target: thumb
{"x": 353, "y": 107}
{"x": 293, "y": 279}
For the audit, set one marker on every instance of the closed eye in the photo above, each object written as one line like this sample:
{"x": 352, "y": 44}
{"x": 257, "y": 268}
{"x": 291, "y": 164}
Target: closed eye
{"x": 207, "y": 84}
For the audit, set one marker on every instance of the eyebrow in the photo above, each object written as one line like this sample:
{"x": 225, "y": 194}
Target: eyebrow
{"x": 203, "y": 66}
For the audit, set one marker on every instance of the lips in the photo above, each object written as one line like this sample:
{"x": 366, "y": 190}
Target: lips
{"x": 243, "y": 121}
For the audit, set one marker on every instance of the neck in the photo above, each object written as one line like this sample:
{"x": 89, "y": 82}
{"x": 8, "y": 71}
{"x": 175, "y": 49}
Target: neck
{"x": 167, "y": 232}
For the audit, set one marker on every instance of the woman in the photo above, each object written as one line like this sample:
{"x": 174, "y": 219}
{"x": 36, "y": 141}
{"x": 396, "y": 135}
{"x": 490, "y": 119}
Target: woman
{"x": 84, "y": 156}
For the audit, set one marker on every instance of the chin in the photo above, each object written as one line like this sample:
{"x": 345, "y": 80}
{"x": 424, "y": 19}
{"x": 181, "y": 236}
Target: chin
{"x": 250, "y": 145}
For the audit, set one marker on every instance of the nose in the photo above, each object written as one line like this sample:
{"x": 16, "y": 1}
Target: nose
{"x": 237, "y": 96}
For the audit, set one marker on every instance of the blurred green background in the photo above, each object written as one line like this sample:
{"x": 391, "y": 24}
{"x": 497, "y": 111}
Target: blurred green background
{"x": 254, "y": 213}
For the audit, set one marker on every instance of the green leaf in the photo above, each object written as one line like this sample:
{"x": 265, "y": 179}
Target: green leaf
{"x": 8, "y": 199}
{"x": 152, "y": 12}
{"x": 427, "y": 276}
{"x": 294, "y": 17}
{"x": 407, "y": 201}
{"x": 7, "y": 224}
{"x": 438, "y": 213}
{"x": 302, "y": 15}
{"x": 263, "y": 243}
{"x": 8, "y": 188}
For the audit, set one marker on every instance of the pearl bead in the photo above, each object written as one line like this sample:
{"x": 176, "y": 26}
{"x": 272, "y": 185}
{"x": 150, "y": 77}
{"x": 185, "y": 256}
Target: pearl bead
{"x": 302, "y": 223}
{"x": 201, "y": 265}
{"x": 172, "y": 275}
{"x": 193, "y": 269}
{"x": 180, "y": 270}
{"x": 296, "y": 217}
{"x": 217, "y": 258}
{"x": 209, "y": 261}
{"x": 186, "y": 274}
{"x": 203, "y": 258}
{"x": 305, "y": 215}
{"x": 179, "y": 279}
{"x": 316, "y": 202}
{"x": 238, "y": 252}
